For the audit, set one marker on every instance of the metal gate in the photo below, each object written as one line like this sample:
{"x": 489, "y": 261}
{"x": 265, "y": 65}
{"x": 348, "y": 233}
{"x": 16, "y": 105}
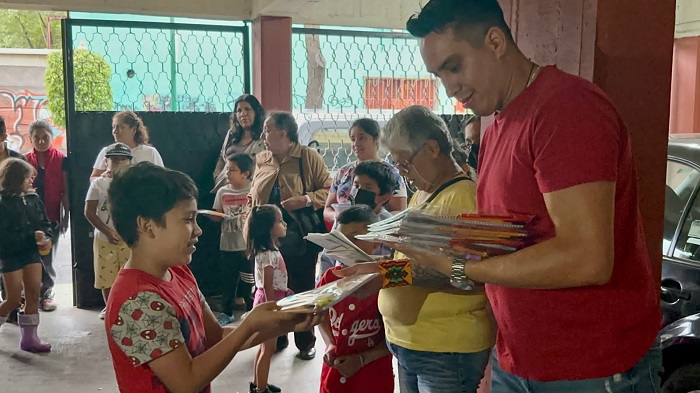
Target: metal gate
{"x": 182, "y": 79}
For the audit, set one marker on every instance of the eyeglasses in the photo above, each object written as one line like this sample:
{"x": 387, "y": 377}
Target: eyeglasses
{"x": 405, "y": 167}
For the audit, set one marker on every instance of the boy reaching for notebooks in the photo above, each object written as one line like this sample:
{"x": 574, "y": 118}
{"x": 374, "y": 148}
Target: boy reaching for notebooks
{"x": 161, "y": 333}
{"x": 354, "y": 332}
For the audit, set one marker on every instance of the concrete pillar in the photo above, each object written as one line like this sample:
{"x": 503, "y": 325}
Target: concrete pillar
{"x": 685, "y": 86}
{"x": 633, "y": 59}
{"x": 272, "y": 62}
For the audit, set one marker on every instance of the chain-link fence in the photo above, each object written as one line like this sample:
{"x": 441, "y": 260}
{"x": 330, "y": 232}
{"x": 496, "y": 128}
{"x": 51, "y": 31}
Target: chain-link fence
{"x": 169, "y": 67}
{"x": 342, "y": 75}
{"x": 182, "y": 79}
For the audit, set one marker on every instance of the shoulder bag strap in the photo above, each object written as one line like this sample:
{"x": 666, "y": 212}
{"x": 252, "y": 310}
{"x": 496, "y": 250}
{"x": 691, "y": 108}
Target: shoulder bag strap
{"x": 441, "y": 189}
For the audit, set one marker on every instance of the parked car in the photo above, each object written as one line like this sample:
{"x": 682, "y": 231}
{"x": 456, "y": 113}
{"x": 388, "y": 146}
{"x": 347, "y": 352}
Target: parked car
{"x": 327, "y": 132}
{"x": 680, "y": 272}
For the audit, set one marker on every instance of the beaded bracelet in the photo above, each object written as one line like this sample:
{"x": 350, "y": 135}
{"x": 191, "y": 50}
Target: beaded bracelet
{"x": 395, "y": 273}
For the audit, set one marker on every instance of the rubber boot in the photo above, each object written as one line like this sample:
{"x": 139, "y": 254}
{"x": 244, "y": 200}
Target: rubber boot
{"x": 30, "y": 341}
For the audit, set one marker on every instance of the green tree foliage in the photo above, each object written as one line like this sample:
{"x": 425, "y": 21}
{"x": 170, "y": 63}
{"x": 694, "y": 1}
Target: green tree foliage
{"x": 27, "y": 29}
{"x": 92, "y": 89}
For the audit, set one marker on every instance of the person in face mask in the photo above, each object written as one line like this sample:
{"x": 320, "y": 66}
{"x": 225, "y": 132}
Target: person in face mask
{"x": 373, "y": 185}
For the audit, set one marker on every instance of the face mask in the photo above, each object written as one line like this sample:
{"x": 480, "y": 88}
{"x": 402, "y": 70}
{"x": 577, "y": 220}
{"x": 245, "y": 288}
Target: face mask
{"x": 364, "y": 197}
{"x": 473, "y": 156}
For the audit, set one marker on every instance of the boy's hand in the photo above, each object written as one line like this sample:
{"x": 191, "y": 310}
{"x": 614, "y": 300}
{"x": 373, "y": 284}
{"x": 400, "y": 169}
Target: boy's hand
{"x": 369, "y": 289}
{"x": 329, "y": 356}
{"x": 266, "y": 322}
{"x": 348, "y": 365}
{"x": 107, "y": 174}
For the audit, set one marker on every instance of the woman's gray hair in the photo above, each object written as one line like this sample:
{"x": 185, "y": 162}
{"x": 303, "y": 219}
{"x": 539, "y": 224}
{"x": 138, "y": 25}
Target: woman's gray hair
{"x": 39, "y": 125}
{"x": 412, "y": 127}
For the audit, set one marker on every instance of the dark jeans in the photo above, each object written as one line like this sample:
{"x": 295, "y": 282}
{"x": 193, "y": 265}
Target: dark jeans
{"x": 302, "y": 271}
{"x": 48, "y": 273}
{"x": 644, "y": 377}
{"x": 433, "y": 372}
{"x": 234, "y": 264}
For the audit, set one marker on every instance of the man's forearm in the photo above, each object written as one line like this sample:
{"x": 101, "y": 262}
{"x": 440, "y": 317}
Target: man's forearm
{"x": 548, "y": 265}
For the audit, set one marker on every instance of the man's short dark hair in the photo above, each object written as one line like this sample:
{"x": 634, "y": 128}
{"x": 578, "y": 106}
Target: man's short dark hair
{"x": 148, "y": 191}
{"x": 357, "y": 214}
{"x": 244, "y": 163}
{"x": 379, "y": 172}
{"x": 3, "y": 127}
{"x": 471, "y": 19}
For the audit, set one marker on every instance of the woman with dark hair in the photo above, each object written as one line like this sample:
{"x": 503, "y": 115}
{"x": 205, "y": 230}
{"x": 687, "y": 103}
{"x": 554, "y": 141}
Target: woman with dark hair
{"x": 51, "y": 184}
{"x": 128, "y": 128}
{"x": 243, "y": 135}
{"x": 364, "y": 134}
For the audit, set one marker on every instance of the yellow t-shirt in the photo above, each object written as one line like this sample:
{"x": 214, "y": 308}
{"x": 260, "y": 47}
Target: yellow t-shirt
{"x": 419, "y": 320}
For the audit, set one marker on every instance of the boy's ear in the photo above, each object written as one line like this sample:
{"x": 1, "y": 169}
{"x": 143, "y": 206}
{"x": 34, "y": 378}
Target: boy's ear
{"x": 145, "y": 227}
{"x": 384, "y": 199}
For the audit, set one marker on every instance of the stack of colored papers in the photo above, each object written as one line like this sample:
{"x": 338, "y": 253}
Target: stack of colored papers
{"x": 471, "y": 235}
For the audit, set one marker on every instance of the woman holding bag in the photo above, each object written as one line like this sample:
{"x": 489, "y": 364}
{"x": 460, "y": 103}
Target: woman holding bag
{"x": 295, "y": 178}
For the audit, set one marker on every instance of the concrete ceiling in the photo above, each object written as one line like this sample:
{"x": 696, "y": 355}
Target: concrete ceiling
{"x": 359, "y": 13}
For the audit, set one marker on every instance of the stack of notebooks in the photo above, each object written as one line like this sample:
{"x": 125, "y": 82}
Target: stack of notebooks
{"x": 471, "y": 235}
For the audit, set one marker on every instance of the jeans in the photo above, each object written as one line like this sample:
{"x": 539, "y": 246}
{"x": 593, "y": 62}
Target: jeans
{"x": 301, "y": 270}
{"x": 644, "y": 377}
{"x": 234, "y": 267}
{"x": 439, "y": 372}
{"x": 48, "y": 273}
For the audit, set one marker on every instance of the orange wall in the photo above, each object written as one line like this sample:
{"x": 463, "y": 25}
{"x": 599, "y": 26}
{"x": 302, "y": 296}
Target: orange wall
{"x": 685, "y": 86}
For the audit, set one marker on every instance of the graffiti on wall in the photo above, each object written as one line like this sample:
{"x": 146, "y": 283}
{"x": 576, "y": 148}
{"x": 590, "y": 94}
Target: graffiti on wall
{"x": 21, "y": 108}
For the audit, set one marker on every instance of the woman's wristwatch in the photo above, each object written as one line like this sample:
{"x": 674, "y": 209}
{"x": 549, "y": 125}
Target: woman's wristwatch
{"x": 458, "y": 279}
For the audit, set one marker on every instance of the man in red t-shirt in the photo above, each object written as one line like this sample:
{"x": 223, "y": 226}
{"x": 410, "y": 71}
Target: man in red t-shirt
{"x": 161, "y": 333}
{"x": 577, "y": 310}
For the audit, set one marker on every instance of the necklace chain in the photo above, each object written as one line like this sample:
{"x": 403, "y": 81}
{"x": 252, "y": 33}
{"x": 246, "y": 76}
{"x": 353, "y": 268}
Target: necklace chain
{"x": 534, "y": 71}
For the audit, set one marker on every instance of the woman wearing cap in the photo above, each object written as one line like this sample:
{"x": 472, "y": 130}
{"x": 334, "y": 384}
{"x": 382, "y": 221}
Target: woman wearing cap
{"x": 128, "y": 128}
{"x": 243, "y": 136}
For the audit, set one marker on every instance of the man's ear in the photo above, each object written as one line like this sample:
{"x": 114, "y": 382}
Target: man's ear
{"x": 3, "y": 138}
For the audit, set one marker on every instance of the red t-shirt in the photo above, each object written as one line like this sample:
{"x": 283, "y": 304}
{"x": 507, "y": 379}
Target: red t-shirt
{"x": 563, "y": 131}
{"x": 148, "y": 317}
{"x": 357, "y": 327}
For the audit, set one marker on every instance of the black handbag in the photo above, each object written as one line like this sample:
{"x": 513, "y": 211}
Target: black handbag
{"x": 300, "y": 223}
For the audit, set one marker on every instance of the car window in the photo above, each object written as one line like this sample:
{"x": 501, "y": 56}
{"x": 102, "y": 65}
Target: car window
{"x": 681, "y": 181}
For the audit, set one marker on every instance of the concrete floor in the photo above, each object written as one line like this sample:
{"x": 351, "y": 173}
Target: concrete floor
{"x": 80, "y": 360}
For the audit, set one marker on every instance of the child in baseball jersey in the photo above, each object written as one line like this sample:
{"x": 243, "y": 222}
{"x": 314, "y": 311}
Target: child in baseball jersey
{"x": 357, "y": 358}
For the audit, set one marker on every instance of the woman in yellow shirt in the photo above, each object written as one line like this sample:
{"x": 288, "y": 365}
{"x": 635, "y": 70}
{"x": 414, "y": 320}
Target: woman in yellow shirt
{"x": 440, "y": 335}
